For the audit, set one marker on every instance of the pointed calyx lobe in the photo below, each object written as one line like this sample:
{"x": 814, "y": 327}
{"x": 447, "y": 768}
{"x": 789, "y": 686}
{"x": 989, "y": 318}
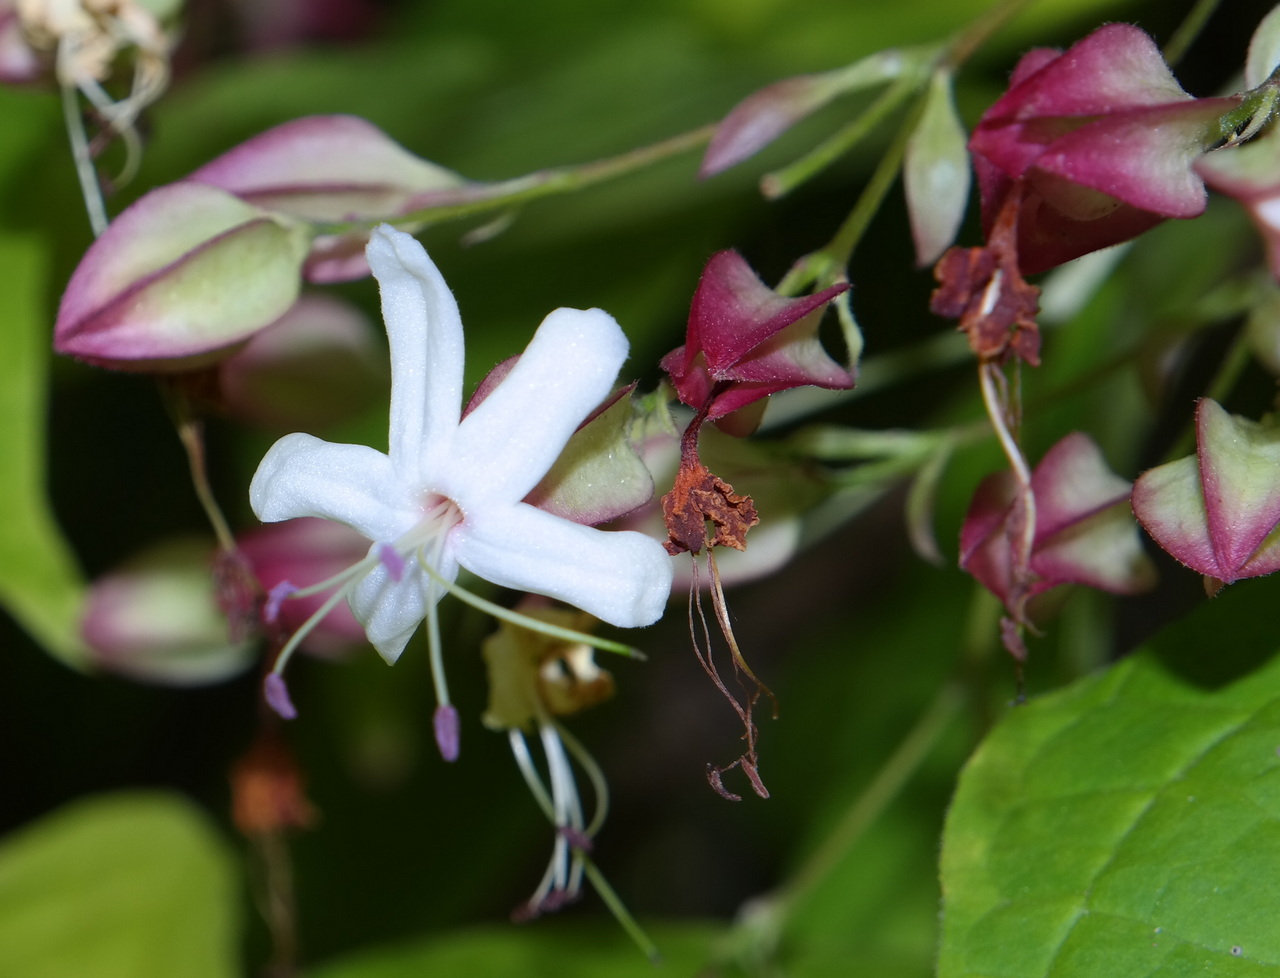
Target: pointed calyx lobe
{"x": 1104, "y": 140}
{"x": 745, "y": 341}
{"x": 1217, "y": 511}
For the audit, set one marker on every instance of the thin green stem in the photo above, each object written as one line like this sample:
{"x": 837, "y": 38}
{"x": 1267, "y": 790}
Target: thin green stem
{"x": 871, "y": 804}
{"x": 962, "y": 46}
{"x": 190, "y": 433}
{"x": 829, "y": 264}
{"x": 781, "y": 182}
{"x": 1219, "y": 386}
{"x": 620, "y": 911}
{"x": 1189, "y": 30}
{"x": 476, "y": 199}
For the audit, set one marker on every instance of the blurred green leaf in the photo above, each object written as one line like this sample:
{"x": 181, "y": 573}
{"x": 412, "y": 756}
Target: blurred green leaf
{"x": 544, "y": 950}
{"x": 40, "y": 584}
{"x": 120, "y": 886}
{"x": 1128, "y": 825}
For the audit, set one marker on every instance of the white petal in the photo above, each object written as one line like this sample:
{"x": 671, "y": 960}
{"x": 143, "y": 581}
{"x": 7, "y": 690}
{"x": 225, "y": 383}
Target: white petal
{"x": 621, "y": 576}
{"x": 352, "y": 484}
{"x": 390, "y": 610}
{"x": 425, "y": 333}
{"x": 511, "y": 439}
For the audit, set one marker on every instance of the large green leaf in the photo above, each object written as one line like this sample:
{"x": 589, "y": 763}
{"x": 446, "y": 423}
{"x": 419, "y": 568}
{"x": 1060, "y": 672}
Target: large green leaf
{"x": 1127, "y": 826}
{"x": 40, "y": 584}
{"x": 122, "y": 886}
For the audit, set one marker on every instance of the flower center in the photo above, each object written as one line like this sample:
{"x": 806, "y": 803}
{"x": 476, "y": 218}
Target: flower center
{"x": 425, "y": 541}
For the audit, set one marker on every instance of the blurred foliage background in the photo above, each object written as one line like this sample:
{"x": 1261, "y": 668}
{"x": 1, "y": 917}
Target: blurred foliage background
{"x": 415, "y": 864}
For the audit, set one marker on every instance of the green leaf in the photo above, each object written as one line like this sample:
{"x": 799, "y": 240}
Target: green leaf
{"x": 40, "y": 584}
{"x": 120, "y": 886}
{"x": 1127, "y": 826}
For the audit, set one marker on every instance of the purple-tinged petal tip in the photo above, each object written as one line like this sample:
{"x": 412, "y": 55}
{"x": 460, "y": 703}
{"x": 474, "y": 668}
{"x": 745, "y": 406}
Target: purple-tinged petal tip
{"x": 445, "y": 723}
{"x": 277, "y": 696}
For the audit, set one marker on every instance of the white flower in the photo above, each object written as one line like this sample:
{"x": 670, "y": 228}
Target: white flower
{"x": 449, "y": 491}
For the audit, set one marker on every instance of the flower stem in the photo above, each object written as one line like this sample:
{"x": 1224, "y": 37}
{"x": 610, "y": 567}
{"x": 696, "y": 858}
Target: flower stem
{"x": 997, "y": 412}
{"x": 967, "y": 41}
{"x": 829, "y": 264}
{"x": 191, "y": 434}
{"x": 477, "y": 199}
{"x": 882, "y": 790}
{"x": 1188, "y": 30}
{"x": 781, "y": 182}
{"x": 763, "y": 921}
{"x": 620, "y": 912}
{"x": 86, "y": 171}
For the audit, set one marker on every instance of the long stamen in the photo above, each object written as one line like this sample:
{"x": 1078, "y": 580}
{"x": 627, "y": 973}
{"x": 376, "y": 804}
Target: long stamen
{"x": 296, "y": 638}
{"x": 339, "y": 579}
{"x": 599, "y": 786}
{"x": 583, "y": 864}
{"x": 445, "y": 722}
{"x": 533, "y": 624}
{"x": 529, "y": 771}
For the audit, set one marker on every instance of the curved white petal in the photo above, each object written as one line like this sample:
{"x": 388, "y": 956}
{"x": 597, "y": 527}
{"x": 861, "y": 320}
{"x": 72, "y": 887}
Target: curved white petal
{"x": 511, "y": 439}
{"x": 425, "y": 334}
{"x": 621, "y": 576}
{"x": 390, "y": 610}
{"x": 352, "y": 484}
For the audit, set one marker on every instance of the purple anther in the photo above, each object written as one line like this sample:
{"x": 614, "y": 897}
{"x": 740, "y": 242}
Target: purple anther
{"x": 576, "y": 838}
{"x": 445, "y": 723}
{"x": 277, "y": 696}
{"x": 275, "y": 598}
{"x": 391, "y": 560}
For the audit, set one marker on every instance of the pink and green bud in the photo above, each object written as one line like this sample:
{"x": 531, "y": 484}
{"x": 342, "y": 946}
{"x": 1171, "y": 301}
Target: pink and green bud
{"x": 178, "y": 280}
{"x": 1084, "y": 533}
{"x": 1104, "y": 139}
{"x": 330, "y": 169}
{"x": 1217, "y": 511}
{"x": 157, "y": 619}
{"x": 315, "y": 365}
{"x": 765, "y": 115}
{"x": 745, "y": 341}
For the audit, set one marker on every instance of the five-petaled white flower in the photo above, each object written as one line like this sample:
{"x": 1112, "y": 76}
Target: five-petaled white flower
{"x": 449, "y": 491}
